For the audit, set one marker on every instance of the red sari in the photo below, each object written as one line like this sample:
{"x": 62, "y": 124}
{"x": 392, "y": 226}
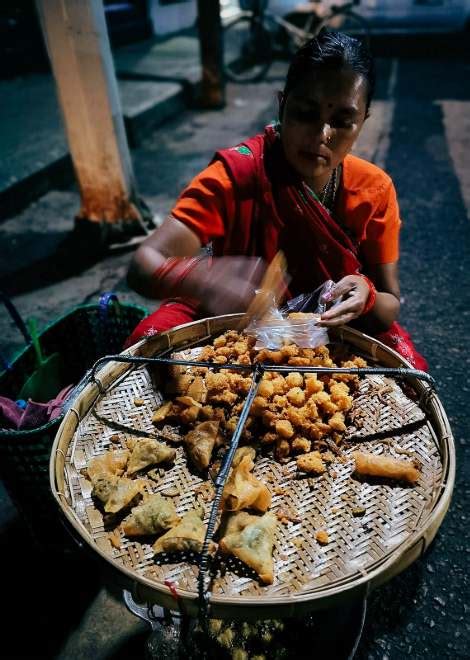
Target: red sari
{"x": 274, "y": 211}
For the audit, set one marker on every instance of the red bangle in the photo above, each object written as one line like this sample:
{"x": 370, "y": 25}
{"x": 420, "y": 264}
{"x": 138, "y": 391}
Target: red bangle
{"x": 370, "y": 302}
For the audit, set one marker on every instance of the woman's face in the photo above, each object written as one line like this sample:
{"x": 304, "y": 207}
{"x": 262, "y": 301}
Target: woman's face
{"x": 321, "y": 119}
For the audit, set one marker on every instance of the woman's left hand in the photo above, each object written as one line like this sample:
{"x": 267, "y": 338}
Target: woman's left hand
{"x": 355, "y": 291}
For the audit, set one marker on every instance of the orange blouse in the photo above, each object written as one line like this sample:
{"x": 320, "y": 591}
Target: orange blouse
{"x": 366, "y": 206}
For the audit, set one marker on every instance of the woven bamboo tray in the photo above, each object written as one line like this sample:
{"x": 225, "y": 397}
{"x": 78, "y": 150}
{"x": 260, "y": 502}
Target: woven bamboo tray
{"x": 398, "y": 525}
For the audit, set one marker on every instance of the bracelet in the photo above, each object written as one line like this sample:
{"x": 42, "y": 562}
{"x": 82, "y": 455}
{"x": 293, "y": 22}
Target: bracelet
{"x": 371, "y": 297}
{"x": 175, "y": 269}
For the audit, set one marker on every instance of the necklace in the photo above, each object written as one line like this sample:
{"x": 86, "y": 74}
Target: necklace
{"x": 326, "y": 189}
{"x": 328, "y": 193}
{"x": 331, "y": 188}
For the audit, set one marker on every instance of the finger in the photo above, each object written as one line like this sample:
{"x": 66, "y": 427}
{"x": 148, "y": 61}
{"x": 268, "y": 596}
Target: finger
{"x": 341, "y": 288}
{"x": 340, "y": 320}
{"x": 351, "y": 305}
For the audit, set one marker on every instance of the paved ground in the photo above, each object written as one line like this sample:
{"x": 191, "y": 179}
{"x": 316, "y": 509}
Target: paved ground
{"x": 418, "y": 132}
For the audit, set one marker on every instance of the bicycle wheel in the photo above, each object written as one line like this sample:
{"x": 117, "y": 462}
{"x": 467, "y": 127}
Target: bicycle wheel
{"x": 350, "y": 23}
{"x": 247, "y": 50}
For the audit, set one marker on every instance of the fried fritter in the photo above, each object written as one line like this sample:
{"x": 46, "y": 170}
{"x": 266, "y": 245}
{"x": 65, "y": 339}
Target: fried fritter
{"x": 293, "y": 411}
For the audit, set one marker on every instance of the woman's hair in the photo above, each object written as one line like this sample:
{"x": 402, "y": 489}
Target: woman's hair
{"x": 331, "y": 51}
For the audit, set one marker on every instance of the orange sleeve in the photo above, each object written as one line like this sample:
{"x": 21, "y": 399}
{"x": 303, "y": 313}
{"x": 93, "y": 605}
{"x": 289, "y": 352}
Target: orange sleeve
{"x": 381, "y": 241}
{"x": 207, "y": 203}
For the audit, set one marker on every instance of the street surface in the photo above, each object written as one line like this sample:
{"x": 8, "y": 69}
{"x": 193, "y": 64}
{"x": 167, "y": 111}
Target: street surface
{"x": 419, "y": 131}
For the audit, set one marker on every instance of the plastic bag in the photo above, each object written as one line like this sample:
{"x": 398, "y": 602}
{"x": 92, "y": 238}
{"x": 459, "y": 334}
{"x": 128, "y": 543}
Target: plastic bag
{"x": 276, "y": 328}
{"x": 309, "y": 302}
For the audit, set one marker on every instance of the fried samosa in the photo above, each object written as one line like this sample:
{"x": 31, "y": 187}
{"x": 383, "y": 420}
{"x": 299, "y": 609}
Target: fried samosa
{"x": 153, "y": 516}
{"x": 241, "y": 452}
{"x": 200, "y": 443}
{"x": 187, "y": 535}
{"x": 251, "y": 539}
{"x": 103, "y": 486}
{"x": 161, "y": 413}
{"x": 123, "y": 494}
{"x": 149, "y": 452}
{"x": 243, "y": 490}
{"x": 111, "y": 462}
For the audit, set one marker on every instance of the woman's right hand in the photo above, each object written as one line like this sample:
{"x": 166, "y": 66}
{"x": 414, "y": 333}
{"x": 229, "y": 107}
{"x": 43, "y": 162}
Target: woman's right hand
{"x": 222, "y": 284}
{"x": 225, "y": 285}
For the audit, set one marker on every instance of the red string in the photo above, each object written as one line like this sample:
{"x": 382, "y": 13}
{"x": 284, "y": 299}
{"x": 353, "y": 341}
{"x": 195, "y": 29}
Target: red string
{"x": 172, "y": 588}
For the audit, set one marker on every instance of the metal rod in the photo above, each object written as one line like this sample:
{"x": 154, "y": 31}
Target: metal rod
{"x": 400, "y": 372}
{"x": 156, "y": 360}
{"x": 203, "y": 578}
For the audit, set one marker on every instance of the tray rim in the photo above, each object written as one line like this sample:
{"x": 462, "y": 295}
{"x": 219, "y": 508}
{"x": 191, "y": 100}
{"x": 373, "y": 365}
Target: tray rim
{"x": 222, "y": 606}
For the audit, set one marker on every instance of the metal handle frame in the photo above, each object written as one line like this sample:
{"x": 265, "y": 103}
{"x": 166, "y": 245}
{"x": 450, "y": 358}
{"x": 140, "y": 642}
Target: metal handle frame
{"x": 257, "y": 370}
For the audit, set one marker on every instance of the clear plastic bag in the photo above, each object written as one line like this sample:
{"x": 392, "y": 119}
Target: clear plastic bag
{"x": 308, "y": 302}
{"x": 277, "y": 328}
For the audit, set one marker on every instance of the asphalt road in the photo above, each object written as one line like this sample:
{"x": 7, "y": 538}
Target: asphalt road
{"x": 420, "y": 133}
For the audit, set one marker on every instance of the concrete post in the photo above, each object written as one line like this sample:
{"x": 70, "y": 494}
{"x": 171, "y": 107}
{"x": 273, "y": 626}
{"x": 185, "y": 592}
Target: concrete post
{"x": 211, "y": 48}
{"x": 77, "y": 42}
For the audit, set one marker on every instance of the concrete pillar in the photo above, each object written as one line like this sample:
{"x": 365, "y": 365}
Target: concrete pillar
{"x": 77, "y": 42}
{"x": 212, "y": 93}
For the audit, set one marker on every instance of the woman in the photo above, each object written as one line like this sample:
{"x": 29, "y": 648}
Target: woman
{"x": 295, "y": 188}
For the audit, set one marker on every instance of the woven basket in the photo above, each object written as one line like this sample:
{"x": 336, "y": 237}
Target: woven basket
{"x": 398, "y": 525}
{"x": 81, "y": 336}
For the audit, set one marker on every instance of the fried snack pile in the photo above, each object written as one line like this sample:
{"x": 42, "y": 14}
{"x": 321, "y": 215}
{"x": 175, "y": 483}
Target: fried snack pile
{"x": 295, "y": 413}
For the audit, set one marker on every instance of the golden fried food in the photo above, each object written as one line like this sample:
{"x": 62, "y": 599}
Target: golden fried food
{"x": 149, "y": 452}
{"x": 161, "y": 413}
{"x": 304, "y": 316}
{"x": 295, "y": 379}
{"x": 111, "y": 462}
{"x": 284, "y": 428}
{"x": 200, "y": 443}
{"x": 296, "y": 396}
{"x": 291, "y": 411}
{"x": 198, "y": 389}
{"x": 322, "y": 537}
{"x": 336, "y": 422}
{"x": 153, "y": 516}
{"x": 103, "y": 486}
{"x": 251, "y": 539}
{"x": 300, "y": 444}
{"x": 187, "y": 535}
{"x": 311, "y": 463}
{"x": 243, "y": 490}
{"x": 241, "y": 452}
{"x": 385, "y": 466}
{"x": 312, "y": 384}
{"x": 124, "y": 492}
{"x": 282, "y": 450}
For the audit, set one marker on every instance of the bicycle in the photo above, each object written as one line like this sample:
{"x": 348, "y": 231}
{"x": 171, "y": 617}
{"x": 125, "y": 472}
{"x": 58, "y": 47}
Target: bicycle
{"x": 252, "y": 36}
